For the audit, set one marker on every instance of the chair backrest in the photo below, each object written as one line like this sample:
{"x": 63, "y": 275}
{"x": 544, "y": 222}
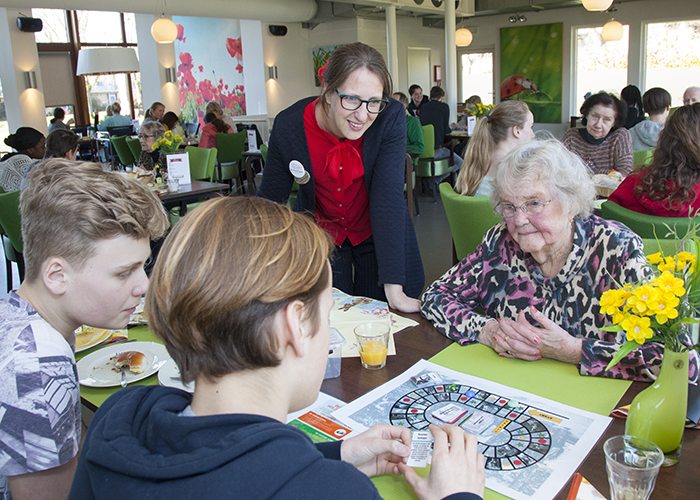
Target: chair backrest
{"x": 134, "y": 147}
{"x": 124, "y": 130}
{"x": 643, "y": 157}
{"x": 263, "y": 152}
{"x": 668, "y": 247}
{"x": 469, "y": 217}
{"x": 199, "y": 161}
{"x": 10, "y": 220}
{"x": 125, "y": 156}
{"x": 191, "y": 128}
{"x": 231, "y": 146}
{"x": 646, "y": 226}
{"x": 211, "y": 163}
{"x": 429, "y": 141}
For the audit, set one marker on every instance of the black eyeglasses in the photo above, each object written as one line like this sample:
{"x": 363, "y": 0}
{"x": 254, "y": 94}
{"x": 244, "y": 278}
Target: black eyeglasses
{"x": 146, "y": 136}
{"x": 352, "y": 102}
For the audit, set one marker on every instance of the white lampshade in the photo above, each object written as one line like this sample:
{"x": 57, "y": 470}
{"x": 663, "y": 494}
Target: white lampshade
{"x": 107, "y": 60}
{"x": 612, "y": 31}
{"x": 463, "y": 37}
{"x": 597, "y": 5}
{"x": 163, "y": 30}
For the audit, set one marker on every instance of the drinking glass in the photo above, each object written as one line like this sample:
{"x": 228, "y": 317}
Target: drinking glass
{"x": 632, "y": 464}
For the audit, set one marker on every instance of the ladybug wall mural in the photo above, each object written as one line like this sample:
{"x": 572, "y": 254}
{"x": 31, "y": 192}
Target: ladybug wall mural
{"x": 532, "y": 69}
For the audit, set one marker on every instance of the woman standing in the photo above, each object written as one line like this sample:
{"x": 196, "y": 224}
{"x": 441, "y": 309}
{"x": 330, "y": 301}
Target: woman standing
{"x": 351, "y": 141}
{"x": 508, "y": 126}
{"x": 604, "y": 144}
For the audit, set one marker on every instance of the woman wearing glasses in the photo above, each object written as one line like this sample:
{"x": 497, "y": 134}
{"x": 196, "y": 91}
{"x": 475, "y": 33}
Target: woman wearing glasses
{"x": 149, "y": 134}
{"x": 351, "y": 141}
{"x": 532, "y": 289}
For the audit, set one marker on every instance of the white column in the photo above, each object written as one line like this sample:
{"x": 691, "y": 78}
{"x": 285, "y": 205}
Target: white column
{"x": 153, "y": 59}
{"x": 392, "y": 48}
{"x": 254, "y": 70}
{"x": 24, "y": 107}
{"x": 451, "y": 60}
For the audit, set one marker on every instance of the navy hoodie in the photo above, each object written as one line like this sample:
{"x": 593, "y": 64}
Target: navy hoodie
{"x": 137, "y": 447}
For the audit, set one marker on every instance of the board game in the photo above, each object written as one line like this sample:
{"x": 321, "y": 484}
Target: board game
{"x": 531, "y": 445}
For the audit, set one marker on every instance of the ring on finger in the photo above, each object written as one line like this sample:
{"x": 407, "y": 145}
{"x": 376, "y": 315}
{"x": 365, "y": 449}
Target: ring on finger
{"x": 507, "y": 339}
{"x": 509, "y": 353}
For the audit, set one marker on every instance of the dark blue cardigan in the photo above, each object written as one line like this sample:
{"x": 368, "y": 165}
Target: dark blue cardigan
{"x": 383, "y": 157}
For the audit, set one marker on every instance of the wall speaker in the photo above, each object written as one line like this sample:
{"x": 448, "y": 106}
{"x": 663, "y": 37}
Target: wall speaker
{"x": 278, "y": 30}
{"x": 29, "y": 24}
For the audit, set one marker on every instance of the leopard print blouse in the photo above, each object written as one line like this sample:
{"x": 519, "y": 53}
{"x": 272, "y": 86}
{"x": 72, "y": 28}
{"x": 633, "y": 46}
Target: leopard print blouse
{"x": 499, "y": 280}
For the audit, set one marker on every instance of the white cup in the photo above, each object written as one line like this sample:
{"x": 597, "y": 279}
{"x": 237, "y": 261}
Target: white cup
{"x": 632, "y": 464}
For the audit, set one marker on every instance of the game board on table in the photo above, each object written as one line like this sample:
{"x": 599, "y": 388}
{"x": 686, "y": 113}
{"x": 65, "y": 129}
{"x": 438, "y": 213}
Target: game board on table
{"x": 531, "y": 445}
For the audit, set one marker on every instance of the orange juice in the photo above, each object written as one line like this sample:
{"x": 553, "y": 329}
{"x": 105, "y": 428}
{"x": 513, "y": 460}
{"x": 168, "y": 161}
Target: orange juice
{"x": 373, "y": 353}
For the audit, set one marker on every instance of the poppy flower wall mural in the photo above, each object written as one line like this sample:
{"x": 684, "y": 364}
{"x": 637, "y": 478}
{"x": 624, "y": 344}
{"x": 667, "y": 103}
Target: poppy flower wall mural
{"x": 209, "y": 56}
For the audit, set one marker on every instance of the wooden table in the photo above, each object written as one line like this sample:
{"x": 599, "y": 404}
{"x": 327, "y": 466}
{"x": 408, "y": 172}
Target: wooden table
{"x": 189, "y": 193}
{"x": 423, "y": 341}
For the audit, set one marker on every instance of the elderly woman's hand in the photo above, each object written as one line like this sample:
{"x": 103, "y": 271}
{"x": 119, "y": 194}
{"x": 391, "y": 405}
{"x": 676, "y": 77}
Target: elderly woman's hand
{"x": 552, "y": 341}
{"x": 504, "y": 338}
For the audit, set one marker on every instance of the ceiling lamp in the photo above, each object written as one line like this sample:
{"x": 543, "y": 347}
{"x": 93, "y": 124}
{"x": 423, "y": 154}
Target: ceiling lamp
{"x": 597, "y": 5}
{"x": 612, "y": 31}
{"x": 107, "y": 61}
{"x": 463, "y": 37}
{"x": 164, "y": 30}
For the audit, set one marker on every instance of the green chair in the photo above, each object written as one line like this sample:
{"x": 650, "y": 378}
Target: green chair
{"x": 667, "y": 247}
{"x": 642, "y": 157}
{"x": 134, "y": 146}
{"x": 211, "y": 164}
{"x": 263, "y": 152}
{"x": 199, "y": 161}
{"x": 126, "y": 158}
{"x": 230, "y": 157}
{"x": 428, "y": 166}
{"x": 646, "y": 226}
{"x": 11, "y": 229}
{"x": 469, "y": 218}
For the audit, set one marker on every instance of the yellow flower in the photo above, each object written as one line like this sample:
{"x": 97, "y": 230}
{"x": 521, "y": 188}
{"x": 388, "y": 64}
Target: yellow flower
{"x": 643, "y": 299}
{"x": 618, "y": 317}
{"x": 655, "y": 258}
{"x": 665, "y": 310}
{"x": 669, "y": 264}
{"x": 637, "y": 328}
{"x": 612, "y": 300}
{"x": 669, "y": 284}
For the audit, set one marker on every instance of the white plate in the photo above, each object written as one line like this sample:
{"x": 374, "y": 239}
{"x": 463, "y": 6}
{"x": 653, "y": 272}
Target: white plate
{"x": 97, "y": 370}
{"x": 169, "y": 376}
{"x": 98, "y": 335}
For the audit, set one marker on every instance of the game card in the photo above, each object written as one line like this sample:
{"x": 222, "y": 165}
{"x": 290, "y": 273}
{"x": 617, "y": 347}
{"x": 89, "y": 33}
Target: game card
{"x": 421, "y": 449}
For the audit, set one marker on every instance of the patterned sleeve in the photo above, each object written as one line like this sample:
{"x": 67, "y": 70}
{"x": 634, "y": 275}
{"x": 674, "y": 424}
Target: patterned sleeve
{"x": 450, "y": 302}
{"x": 644, "y": 363}
{"x": 623, "y": 159}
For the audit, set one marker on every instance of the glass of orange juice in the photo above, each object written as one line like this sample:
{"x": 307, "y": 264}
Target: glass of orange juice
{"x": 373, "y": 343}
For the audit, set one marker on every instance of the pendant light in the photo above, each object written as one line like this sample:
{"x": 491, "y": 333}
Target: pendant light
{"x": 463, "y": 37}
{"x": 597, "y": 5}
{"x": 164, "y": 30}
{"x": 612, "y": 31}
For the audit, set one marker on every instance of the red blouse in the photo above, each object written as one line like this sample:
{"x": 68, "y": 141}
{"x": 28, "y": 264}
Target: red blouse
{"x": 342, "y": 204}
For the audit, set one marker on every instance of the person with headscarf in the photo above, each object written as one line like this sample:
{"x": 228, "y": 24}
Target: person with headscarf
{"x": 29, "y": 145}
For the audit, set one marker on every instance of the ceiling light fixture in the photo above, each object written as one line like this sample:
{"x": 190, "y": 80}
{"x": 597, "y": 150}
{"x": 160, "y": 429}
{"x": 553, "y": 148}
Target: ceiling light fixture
{"x": 597, "y": 5}
{"x": 163, "y": 30}
{"x": 612, "y": 31}
{"x": 463, "y": 37}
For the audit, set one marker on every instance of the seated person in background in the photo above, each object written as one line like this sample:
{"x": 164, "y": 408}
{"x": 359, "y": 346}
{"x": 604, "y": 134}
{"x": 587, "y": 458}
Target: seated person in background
{"x": 115, "y": 120}
{"x": 414, "y": 130}
{"x": 213, "y": 126}
{"x": 657, "y": 104}
{"x": 154, "y": 113}
{"x": 436, "y": 113}
{"x": 59, "y": 144}
{"x": 632, "y": 96}
{"x": 468, "y": 104}
{"x": 215, "y": 107}
{"x": 417, "y": 99}
{"x": 86, "y": 235}
{"x": 691, "y": 95}
{"x": 29, "y": 145}
{"x": 508, "y": 126}
{"x": 538, "y": 275}
{"x": 250, "y": 328}
{"x": 57, "y": 121}
{"x": 149, "y": 134}
{"x": 670, "y": 185}
{"x": 171, "y": 122}
{"x": 604, "y": 144}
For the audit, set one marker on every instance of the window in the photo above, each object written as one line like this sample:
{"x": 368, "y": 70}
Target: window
{"x": 55, "y": 28}
{"x": 99, "y": 28}
{"x": 672, "y": 60}
{"x": 477, "y": 76}
{"x": 600, "y": 65}
{"x": 4, "y": 128}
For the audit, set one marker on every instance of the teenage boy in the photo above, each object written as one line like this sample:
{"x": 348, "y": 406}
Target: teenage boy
{"x": 86, "y": 238}
{"x": 657, "y": 104}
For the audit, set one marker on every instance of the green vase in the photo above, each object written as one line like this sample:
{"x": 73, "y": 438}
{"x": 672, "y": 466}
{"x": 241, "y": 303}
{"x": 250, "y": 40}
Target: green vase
{"x": 658, "y": 412}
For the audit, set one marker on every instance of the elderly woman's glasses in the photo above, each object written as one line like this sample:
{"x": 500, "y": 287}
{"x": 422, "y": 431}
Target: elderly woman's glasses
{"x": 145, "y": 136}
{"x": 352, "y": 102}
{"x": 533, "y": 207}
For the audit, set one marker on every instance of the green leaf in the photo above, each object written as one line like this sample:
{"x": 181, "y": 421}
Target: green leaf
{"x": 624, "y": 350}
{"x": 615, "y": 328}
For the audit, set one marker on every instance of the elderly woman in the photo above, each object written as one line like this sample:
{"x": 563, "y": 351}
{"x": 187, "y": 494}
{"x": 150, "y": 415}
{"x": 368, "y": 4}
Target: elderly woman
{"x": 670, "y": 185}
{"x": 604, "y": 144}
{"x": 148, "y": 135}
{"x": 538, "y": 275}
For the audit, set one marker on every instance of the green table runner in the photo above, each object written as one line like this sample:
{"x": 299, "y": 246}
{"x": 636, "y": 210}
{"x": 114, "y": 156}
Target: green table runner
{"x": 546, "y": 378}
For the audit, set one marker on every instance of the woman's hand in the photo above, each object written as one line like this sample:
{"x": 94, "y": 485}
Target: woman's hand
{"x": 502, "y": 337}
{"x": 378, "y": 450}
{"x": 399, "y": 300}
{"x": 456, "y": 468}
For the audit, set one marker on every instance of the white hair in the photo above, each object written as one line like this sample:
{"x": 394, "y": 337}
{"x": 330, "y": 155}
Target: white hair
{"x": 549, "y": 162}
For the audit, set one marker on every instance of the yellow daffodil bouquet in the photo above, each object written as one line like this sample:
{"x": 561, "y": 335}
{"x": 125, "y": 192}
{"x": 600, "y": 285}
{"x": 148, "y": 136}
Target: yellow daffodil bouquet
{"x": 655, "y": 308}
{"x": 168, "y": 143}
{"x": 479, "y": 109}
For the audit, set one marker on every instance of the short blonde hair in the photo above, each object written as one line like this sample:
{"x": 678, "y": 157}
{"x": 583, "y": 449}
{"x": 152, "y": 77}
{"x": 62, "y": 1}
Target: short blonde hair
{"x": 68, "y": 206}
{"x": 222, "y": 275}
{"x": 214, "y": 107}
